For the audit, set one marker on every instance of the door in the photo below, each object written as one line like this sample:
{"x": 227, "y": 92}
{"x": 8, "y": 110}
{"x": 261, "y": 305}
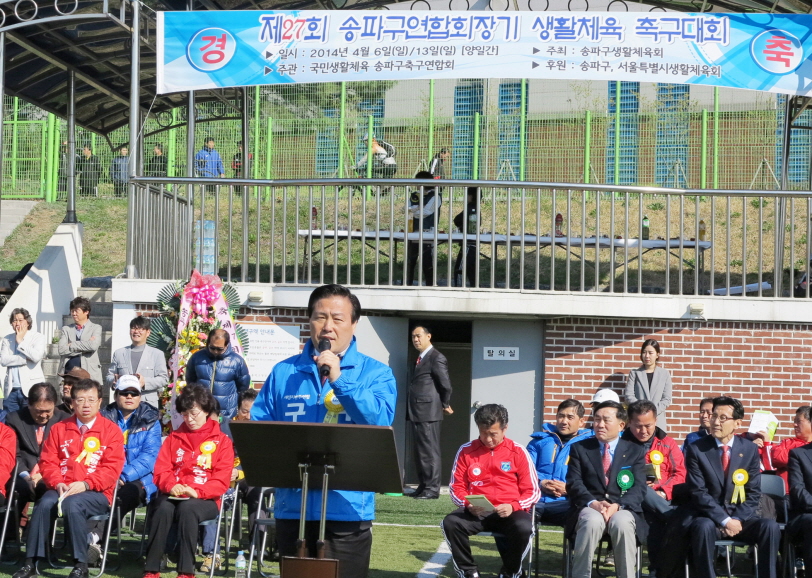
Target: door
{"x": 515, "y": 384}
{"x": 381, "y": 338}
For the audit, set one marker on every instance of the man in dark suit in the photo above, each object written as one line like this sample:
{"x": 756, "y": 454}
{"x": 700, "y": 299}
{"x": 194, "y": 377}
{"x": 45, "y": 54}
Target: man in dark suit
{"x": 429, "y": 399}
{"x": 32, "y": 425}
{"x": 799, "y": 528}
{"x": 724, "y": 481}
{"x": 606, "y": 485}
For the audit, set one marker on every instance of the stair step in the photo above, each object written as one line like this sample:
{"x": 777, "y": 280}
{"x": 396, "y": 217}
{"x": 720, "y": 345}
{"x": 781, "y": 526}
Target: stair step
{"x": 95, "y": 295}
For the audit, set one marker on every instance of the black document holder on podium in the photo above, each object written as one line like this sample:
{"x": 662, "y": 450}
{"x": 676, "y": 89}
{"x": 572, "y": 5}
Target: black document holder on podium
{"x": 349, "y": 457}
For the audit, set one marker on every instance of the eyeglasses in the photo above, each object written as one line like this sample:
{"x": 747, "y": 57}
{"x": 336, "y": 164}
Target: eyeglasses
{"x": 84, "y": 401}
{"x": 191, "y": 414}
{"x": 130, "y": 393}
{"x": 720, "y": 418}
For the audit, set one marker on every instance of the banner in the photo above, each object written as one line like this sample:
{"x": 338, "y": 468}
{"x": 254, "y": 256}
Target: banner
{"x": 215, "y": 49}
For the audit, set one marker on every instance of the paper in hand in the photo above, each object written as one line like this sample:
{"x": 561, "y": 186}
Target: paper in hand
{"x": 764, "y": 421}
{"x": 481, "y": 502}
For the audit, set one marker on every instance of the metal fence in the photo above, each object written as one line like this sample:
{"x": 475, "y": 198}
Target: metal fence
{"x": 533, "y": 237}
{"x": 496, "y": 129}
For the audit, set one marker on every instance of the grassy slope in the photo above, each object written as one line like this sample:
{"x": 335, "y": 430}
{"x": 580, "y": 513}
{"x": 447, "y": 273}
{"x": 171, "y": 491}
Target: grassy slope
{"x": 104, "y": 235}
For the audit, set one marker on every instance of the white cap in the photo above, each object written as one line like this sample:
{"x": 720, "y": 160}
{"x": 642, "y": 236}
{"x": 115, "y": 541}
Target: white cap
{"x": 605, "y": 394}
{"x": 128, "y": 382}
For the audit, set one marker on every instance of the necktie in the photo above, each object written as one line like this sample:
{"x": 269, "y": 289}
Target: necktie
{"x": 40, "y": 434}
{"x": 83, "y": 430}
{"x": 725, "y": 458}
{"x": 418, "y": 360}
{"x": 607, "y": 463}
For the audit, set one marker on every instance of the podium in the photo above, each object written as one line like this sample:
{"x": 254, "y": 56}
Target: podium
{"x": 281, "y": 455}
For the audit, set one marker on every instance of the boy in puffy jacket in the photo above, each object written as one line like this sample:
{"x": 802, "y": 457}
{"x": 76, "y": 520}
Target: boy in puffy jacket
{"x": 550, "y": 452}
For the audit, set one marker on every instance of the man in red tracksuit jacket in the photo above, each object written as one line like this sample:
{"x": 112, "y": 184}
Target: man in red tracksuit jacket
{"x": 80, "y": 463}
{"x": 500, "y": 470}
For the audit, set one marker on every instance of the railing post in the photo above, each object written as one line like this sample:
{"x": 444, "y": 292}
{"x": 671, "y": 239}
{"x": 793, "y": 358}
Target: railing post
{"x": 269, "y": 150}
{"x": 135, "y": 143}
{"x": 50, "y": 185}
{"x": 616, "y": 167}
{"x": 715, "y": 137}
{"x": 431, "y": 119}
{"x": 255, "y": 141}
{"x": 523, "y": 132}
{"x": 475, "y": 168}
{"x": 781, "y": 202}
{"x": 370, "y": 135}
{"x": 70, "y": 215}
{"x": 342, "y": 120}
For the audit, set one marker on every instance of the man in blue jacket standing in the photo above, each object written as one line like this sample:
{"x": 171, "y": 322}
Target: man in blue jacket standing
{"x": 550, "y": 452}
{"x": 355, "y": 390}
{"x": 208, "y": 163}
{"x": 221, "y": 369}
{"x": 141, "y": 426}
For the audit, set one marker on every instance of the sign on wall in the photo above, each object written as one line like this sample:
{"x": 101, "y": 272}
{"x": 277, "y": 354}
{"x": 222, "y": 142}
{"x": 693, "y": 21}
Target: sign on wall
{"x": 214, "y": 49}
{"x": 270, "y": 344}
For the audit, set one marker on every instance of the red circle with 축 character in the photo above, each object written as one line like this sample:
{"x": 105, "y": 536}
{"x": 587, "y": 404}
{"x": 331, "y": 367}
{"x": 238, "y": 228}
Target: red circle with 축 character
{"x": 211, "y": 49}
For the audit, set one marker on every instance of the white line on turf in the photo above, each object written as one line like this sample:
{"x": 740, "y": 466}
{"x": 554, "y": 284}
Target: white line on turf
{"x": 436, "y": 563}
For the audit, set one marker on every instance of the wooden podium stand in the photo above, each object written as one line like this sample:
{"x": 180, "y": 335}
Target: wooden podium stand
{"x": 281, "y": 454}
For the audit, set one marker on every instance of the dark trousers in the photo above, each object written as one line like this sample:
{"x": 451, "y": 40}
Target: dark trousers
{"x": 427, "y": 261}
{"x": 348, "y": 542}
{"x": 187, "y": 514}
{"x": 427, "y": 454}
{"x": 15, "y": 400}
{"x": 76, "y": 510}
{"x": 763, "y": 532}
{"x": 799, "y": 530}
{"x": 470, "y": 264}
{"x": 553, "y": 513}
{"x": 517, "y": 529}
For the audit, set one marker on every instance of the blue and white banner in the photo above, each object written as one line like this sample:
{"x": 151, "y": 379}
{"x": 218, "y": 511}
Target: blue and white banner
{"x": 214, "y": 49}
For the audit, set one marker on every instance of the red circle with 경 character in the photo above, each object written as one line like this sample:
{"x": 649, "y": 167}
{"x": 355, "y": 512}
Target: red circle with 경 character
{"x": 211, "y": 49}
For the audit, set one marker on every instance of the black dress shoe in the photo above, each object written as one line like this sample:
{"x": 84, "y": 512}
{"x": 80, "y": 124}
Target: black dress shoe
{"x": 428, "y": 496}
{"x": 26, "y": 571}
{"x": 79, "y": 572}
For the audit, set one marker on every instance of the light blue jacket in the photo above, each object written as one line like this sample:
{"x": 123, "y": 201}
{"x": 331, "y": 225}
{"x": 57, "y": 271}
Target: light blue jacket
{"x": 551, "y": 456}
{"x": 366, "y": 389}
{"x": 142, "y": 443}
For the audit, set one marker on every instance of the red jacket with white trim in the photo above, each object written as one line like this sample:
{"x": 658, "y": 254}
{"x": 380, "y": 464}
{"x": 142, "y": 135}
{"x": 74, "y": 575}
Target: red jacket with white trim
{"x": 182, "y": 461}
{"x": 8, "y": 455}
{"x": 504, "y": 475}
{"x": 61, "y": 460}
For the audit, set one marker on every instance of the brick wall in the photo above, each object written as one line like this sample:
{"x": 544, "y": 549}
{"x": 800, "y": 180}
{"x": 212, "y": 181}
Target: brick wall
{"x": 765, "y": 365}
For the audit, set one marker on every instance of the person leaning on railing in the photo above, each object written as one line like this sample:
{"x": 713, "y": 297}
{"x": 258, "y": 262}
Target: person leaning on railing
{"x": 192, "y": 472}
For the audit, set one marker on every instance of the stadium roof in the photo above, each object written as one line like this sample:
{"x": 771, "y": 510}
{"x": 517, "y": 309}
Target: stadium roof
{"x": 93, "y": 38}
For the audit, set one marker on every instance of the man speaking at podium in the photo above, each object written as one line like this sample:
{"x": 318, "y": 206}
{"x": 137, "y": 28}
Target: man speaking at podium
{"x": 329, "y": 382}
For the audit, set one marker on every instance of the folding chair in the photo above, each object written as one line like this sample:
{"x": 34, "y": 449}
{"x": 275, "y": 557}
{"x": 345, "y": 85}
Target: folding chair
{"x": 497, "y": 535}
{"x": 773, "y": 485}
{"x": 535, "y": 556}
{"x": 108, "y": 526}
{"x": 11, "y": 505}
{"x": 259, "y": 523}
{"x": 218, "y": 522}
{"x": 727, "y": 545}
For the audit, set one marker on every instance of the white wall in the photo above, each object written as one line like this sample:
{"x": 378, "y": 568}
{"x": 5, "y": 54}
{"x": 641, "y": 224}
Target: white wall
{"x": 51, "y": 284}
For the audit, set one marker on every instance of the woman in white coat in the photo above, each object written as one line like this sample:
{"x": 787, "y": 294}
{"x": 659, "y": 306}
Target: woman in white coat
{"x": 650, "y": 382}
{"x": 21, "y": 354}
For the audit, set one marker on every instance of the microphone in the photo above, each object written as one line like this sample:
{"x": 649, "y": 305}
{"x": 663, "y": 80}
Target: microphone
{"x": 324, "y": 345}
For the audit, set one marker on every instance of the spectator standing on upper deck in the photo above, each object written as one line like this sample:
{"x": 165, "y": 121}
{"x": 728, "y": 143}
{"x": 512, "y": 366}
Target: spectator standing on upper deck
{"x": 650, "y": 382}
{"x": 119, "y": 172}
{"x": 89, "y": 168}
{"x": 437, "y": 167}
{"x": 208, "y": 162}
{"x": 157, "y": 166}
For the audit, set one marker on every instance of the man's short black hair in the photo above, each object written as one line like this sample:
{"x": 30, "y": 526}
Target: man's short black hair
{"x": 426, "y": 329}
{"x": 42, "y": 391}
{"x": 805, "y": 411}
{"x": 706, "y": 400}
{"x": 621, "y": 411}
{"x": 249, "y": 394}
{"x": 738, "y": 408}
{"x": 80, "y": 303}
{"x": 141, "y": 322}
{"x": 333, "y": 290}
{"x": 490, "y": 414}
{"x": 86, "y": 385}
{"x": 423, "y": 175}
{"x": 641, "y": 407}
{"x": 568, "y": 403}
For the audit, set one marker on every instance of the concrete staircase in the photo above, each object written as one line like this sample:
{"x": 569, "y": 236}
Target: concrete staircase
{"x": 102, "y": 313}
{"x": 12, "y": 214}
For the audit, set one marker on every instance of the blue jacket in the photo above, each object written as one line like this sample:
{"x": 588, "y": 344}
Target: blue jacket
{"x": 692, "y": 437}
{"x": 551, "y": 456}
{"x": 366, "y": 389}
{"x": 209, "y": 163}
{"x": 141, "y": 444}
{"x": 119, "y": 172}
{"x": 231, "y": 377}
